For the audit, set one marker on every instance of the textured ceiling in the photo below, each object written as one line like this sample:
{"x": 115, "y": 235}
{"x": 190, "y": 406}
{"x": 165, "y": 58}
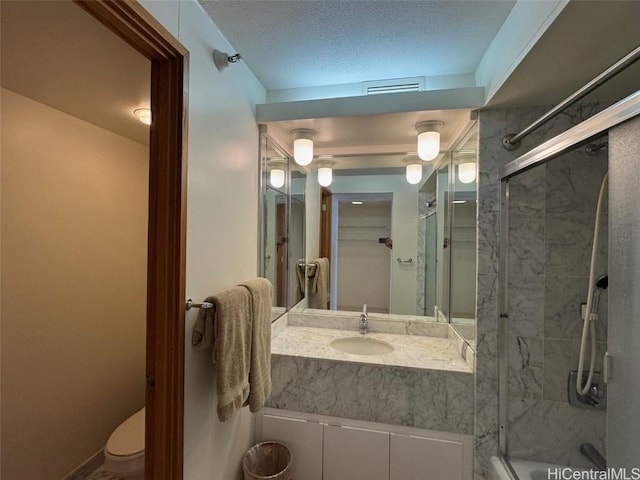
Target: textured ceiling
{"x": 301, "y": 43}
{"x": 41, "y": 40}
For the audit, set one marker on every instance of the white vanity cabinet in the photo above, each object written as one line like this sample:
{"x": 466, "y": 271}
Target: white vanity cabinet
{"x": 424, "y": 458}
{"x": 352, "y": 453}
{"x": 328, "y": 448}
{"x": 303, "y": 438}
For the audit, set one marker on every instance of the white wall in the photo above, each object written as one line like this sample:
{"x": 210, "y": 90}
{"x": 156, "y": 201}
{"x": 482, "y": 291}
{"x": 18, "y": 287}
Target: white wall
{"x": 270, "y": 250}
{"x": 404, "y": 231}
{"x": 463, "y": 249}
{"x": 312, "y": 222}
{"x": 222, "y": 222}
{"x": 463, "y": 261}
{"x": 364, "y": 264}
{"x": 295, "y": 249}
{"x": 74, "y": 248}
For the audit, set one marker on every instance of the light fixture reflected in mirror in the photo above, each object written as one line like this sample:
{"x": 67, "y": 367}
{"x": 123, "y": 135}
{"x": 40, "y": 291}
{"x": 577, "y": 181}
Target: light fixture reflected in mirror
{"x": 467, "y": 172}
{"x": 325, "y": 175}
{"x": 143, "y": 114}
{"x": 277, "y": 172}
{"x": 414, "y": 170}
{"x": 276, "y": 178}
{"x": 303, "y": 145}
{"x": 325, "y": 172}
{"x": 428, "y": 139}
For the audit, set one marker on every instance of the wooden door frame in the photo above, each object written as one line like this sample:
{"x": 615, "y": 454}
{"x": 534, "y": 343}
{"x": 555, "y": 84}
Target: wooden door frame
{"x": 164, "y": 396}
{"x": 282, "y": 253}
{"x": 326, "y": 205}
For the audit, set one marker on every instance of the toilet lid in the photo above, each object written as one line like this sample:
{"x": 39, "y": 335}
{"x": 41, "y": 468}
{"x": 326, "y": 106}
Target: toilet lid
{"x": 128, "y": 438}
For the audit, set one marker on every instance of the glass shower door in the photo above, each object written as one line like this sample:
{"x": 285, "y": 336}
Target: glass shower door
{"x": 551, "y": 214}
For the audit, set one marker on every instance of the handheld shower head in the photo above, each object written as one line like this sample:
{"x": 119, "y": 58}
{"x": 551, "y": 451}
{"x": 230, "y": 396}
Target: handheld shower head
{"x": 602, "y": 282}
{"x": 601, "y": 285}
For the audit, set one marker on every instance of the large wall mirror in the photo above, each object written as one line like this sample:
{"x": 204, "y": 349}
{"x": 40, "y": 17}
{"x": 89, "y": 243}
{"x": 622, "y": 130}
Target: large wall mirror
{"x": 403, "y": 243}
{"x": 283, "y": 211}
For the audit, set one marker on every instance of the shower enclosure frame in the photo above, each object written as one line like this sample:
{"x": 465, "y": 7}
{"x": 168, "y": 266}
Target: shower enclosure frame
{"x": 580, "y": 134}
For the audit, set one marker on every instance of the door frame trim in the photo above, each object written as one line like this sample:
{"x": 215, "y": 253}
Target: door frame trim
{"x": 164, "y": 397}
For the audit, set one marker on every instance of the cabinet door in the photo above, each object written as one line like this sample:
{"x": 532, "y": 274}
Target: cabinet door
{"x": 303, "y": 438}
{"x": 355, "y": 454}
{"x": 421, "y": 458}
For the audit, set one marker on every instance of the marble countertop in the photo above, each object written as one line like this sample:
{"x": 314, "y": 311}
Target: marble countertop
{"x": 410, "y": 351}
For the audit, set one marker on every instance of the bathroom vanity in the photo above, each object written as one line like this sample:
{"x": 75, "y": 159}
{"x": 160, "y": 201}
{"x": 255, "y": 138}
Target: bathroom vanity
{"x": 398, "y": 408}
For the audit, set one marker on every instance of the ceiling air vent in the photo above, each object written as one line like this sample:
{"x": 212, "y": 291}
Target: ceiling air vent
{"x": 397, "y": 85}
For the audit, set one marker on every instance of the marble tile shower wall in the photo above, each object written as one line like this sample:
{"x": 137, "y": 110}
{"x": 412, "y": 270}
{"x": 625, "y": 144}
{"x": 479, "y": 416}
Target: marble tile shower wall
{"x": 551, "y": 223}
{"x": 552, "y": 214}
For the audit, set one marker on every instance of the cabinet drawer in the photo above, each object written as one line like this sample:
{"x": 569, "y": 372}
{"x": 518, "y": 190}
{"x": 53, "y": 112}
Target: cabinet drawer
{"x": 303, "y": 438}
{"x": 355, "y": 454}
{"x": 422, "y": 458}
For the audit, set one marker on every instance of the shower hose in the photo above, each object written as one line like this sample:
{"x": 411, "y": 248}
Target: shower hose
{"x": 591, "y": 317}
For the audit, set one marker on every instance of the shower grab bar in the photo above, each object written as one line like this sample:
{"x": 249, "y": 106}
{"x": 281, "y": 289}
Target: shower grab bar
{"x": 204, "y": 305}
{"x": 512, "y": 141}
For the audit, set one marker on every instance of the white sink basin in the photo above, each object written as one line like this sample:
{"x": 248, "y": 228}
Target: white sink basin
{"x": 362, "y": 346}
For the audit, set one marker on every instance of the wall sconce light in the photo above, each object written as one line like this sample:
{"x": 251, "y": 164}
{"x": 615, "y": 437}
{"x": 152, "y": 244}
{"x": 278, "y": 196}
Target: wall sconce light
{"x": 277, "y": 173}
{"x": 143, "y": 114}
{"x": 428, "y": 139}
{"x": 414, "y": 170}
{"x": 303, "y": 145}
{"x": 222, "y": 59}
{"x": 467, "y": 172}
{"x": 325, "y": 172}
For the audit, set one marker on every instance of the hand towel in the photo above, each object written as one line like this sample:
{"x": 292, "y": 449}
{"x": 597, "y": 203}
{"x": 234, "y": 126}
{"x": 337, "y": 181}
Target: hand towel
{"x": 227, "y": 328}
{"x": 260, "y": 291}
{"x": 319, "y": 295}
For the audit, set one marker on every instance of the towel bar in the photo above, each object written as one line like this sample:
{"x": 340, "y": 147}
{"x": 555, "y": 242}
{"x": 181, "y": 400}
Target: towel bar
{"x": 190, "y": 305}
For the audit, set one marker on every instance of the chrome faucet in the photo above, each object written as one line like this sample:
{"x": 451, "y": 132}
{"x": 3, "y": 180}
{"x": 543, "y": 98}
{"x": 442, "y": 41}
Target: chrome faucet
{"x": 364, "y": 321}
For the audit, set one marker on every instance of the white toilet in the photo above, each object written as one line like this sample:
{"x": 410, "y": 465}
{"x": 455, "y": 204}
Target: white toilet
{"x": 124, "y": 452}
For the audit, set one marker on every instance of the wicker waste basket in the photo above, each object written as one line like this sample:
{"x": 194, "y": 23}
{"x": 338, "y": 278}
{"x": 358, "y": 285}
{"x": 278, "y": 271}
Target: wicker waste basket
{"x": 267, "y": 461}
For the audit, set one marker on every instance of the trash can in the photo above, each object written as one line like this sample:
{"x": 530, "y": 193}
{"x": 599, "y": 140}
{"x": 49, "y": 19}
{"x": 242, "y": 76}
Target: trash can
{"x": 267, "y": 461}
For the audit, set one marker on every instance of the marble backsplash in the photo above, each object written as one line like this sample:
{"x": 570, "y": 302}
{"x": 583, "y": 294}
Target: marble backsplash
{"x": 383, "y": 323}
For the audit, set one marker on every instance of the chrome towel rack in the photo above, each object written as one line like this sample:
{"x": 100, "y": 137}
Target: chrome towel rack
{"x": 400, "y": 260}
{"x": 189, "y": 305}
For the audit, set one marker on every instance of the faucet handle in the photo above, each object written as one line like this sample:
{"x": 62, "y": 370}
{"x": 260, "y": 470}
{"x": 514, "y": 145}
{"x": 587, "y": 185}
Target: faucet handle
{"x": 364, "y": 309}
